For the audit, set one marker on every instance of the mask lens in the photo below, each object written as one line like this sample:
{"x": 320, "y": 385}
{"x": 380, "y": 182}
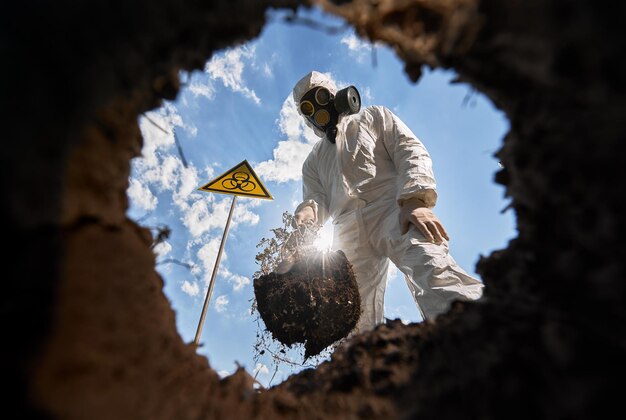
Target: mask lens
{"x": 306, "y": 107}
{"x": 322, "y": 117}
{"x": 322, "y": 96}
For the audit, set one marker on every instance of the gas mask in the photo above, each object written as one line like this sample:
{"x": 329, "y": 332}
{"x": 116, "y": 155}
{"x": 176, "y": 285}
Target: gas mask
{"x": 323, "y": 109}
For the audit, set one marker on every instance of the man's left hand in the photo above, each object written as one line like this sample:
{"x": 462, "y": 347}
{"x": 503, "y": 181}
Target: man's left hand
{"x": 413, "y": 212}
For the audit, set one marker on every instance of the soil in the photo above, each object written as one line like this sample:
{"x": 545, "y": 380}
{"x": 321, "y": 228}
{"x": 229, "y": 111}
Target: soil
{"x": 88, "y": 331}
{"x": 316, "y": 302}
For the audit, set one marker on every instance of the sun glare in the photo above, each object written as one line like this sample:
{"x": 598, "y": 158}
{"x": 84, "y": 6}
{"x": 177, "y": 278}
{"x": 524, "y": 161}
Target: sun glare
{"x": 325, "y": 240}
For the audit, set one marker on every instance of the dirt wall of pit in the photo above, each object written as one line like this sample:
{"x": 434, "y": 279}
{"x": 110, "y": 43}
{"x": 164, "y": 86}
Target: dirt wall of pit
{"x": 88, "y": 332}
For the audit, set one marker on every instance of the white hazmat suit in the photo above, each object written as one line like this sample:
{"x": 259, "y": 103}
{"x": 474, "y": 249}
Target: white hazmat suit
{"x": 360, "y": 182}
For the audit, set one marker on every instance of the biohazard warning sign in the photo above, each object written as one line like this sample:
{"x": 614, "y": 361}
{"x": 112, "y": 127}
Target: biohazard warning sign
{"x": 240, "y": 180}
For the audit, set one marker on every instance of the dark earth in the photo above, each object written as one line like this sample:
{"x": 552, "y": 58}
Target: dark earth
{"x": 316, "y": 302}
{"x": 88, "y": 332}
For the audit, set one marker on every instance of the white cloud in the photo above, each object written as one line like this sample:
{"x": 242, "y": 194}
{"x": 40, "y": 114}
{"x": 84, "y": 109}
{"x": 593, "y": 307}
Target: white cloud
{"x": 392, "y": 272}
{"x": 175, "y": 119}
{"x": 354, "y": 43}
{"x": 190, "y": 288}
{"x": 154, "y": 138}
{"x": 291, "y": 123}
{"x": 196, "y": 270}
{"x": 229, "y": 66}
{"x": 357, "y": 47}
{"x": 242, "y": 214}
{"x": 267, "y": 70}
{"x": 161, "y": 170}
{"x": 250, "y": 202}
{"x": 141, "y": 196}
{"x": 261, "y": 369}
{"x": 207, "y": 255}
{"x": 164, "y": 175}
{"x": 202, "y": 89}
{"x": 208, "y": 213}
{"x": 367, "y": 97}
{"x": 159, "y": 165}
{"x": 188, "y": 182}
{"x": 223, "y": 373}
{"x": 221, "y": 303}
{"x": 238, "y": 282}
{"x": 406, "y": 314}
{"x": 287, "y": 163}
{"x": 209, "y": 172}
{"x": 162, "y": 249}
{"x": 198, "y": 218}
{"x": 192, "y": 130}
{"x": 290, "y": 154}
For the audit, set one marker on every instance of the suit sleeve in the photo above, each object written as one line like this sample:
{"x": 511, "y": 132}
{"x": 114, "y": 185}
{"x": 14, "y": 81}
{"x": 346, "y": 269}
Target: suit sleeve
{"x": 313, "y": 193}
{"x": 411, "y": 159}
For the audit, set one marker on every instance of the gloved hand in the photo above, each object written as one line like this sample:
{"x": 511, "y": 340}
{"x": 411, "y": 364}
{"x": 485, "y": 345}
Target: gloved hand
{"x": 413, "y": 212}
{"x": 305, "y": 214}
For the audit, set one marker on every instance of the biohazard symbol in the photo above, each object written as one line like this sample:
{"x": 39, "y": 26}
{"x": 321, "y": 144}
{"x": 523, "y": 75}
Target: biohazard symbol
{"x": 240, "y": 180}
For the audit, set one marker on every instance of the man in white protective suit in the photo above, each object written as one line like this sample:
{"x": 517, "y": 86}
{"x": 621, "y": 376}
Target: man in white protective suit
{"x": 374, "y": 178}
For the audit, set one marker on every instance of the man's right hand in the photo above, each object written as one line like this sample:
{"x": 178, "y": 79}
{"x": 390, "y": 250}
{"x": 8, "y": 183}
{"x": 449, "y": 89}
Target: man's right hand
{"x": 412, "y": 211}
{"x": 304, "y": 215}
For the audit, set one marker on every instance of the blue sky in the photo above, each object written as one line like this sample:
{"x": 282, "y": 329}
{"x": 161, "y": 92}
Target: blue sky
{"x": 239, "y": 108}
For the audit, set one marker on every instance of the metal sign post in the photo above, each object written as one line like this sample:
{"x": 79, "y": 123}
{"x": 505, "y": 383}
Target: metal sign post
{"x": 239, "y": 180}
{"x": 207, "y": 299}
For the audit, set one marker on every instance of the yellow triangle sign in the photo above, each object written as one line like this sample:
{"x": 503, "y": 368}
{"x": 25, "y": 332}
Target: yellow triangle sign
{"x": 240, "y": 180}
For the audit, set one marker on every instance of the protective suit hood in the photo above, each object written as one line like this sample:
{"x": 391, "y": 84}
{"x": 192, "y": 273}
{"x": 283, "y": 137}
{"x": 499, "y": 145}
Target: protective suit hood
{"x": 321, "y": 105}
{"x": 308, "y": 82}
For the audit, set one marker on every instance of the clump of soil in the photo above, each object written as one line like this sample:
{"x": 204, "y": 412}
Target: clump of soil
{"x": 305, "y": 294}
{"x": 316, "y": 302}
